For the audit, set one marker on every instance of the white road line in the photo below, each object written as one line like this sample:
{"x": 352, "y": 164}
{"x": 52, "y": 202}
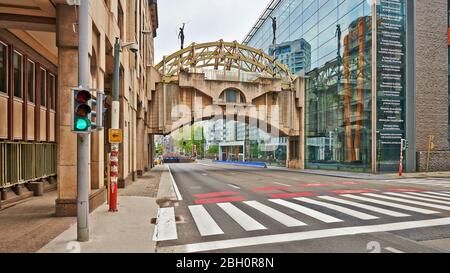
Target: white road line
{"x": 428, "y": 195}
{"x": 312, "y": 213}
{"x": 275, "y": 214}
{"x": 175, "y": 187}
{"x": 305, "y": 235}
{"x": 393, "y": 250}
{"x": 438, "y": 193}
{"x": 408, "y": 201}
{"x": 364, "y": 206}
{"x": 245, "y": 221}
{"x": 418, "y": 198}
{"x": 390, "y": 204}
{"x": 165, "y": 229}
{"x": 354, "y": 213}
{"x": 233, "y": 186}
{"x": 281, "y": 184}
{"x": 205, "y": 223}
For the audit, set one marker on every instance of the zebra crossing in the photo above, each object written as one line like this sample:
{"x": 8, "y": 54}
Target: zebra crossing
{"x": 301, "y": 212}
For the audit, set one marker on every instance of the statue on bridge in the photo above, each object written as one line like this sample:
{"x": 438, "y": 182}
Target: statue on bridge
{"x": 339, "y": 36}
{"x": 274, "y": 29}
{"x": 181, "y": 35}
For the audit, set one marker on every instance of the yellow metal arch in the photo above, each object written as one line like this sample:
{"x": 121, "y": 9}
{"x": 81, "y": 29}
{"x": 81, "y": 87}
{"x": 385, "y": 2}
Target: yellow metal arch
{"x": 226, "y": 56}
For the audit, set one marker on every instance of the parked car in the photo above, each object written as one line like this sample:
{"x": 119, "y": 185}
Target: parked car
{"x": 172, "y": 158}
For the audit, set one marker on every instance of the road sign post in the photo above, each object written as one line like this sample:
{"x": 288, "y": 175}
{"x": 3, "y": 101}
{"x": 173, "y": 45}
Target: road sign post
{"x": 115, "y": 138}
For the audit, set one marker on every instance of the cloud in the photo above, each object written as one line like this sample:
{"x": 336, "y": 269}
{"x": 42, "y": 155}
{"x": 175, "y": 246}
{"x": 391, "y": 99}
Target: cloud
{"x": 208, "y": 20}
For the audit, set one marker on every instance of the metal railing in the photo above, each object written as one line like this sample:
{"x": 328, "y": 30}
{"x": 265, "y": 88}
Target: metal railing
{"x": 24, "y": 162}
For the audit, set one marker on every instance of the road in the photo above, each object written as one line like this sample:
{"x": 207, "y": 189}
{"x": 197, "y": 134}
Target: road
{"x": 234, "y": 209}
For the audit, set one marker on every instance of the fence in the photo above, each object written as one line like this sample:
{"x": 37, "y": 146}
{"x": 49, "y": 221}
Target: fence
{"x": 24, "y": 162}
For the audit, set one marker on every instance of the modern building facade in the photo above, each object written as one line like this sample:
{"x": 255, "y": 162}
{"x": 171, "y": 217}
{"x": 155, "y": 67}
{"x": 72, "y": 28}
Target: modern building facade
{"x": 296, "y": 55}
{"x": 371, "y": 83}
{"x": 38, "y": 69}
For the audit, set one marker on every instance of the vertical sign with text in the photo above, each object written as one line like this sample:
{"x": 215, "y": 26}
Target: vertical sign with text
{"x": 391, "y": 81}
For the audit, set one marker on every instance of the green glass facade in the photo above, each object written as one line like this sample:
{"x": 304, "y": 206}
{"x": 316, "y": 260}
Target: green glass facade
{"x": 339, "y": 121}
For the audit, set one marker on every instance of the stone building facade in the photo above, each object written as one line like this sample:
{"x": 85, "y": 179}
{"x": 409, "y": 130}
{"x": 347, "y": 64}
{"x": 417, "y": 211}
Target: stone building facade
{"x": 46, "y": 34}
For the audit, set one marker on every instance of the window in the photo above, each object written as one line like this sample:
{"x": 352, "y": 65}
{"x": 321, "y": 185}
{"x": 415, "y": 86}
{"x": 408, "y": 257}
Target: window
{"x": 231, "y": 96}
{"x": 18, "y": 74}
{"x": 43, "y": 88}
{"x": 120, "y": 19}
{"x": 31, "y": 81}
{"x": 3, "y": 68}
{"x": 52, "y": 92}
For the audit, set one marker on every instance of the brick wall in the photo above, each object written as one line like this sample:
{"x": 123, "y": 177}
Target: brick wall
{"x": 439, "y": 161}
{"x": 432, "y": 81}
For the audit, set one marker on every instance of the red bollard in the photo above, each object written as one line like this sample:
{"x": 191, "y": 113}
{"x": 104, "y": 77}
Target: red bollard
{"x": 114, "y": 162}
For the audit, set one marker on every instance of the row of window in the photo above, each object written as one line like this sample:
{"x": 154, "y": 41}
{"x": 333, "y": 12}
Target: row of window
{"x": 23, "y": 67}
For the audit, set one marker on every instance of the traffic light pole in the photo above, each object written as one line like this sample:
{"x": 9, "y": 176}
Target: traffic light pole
{"x": 83, "y": 140}
{"x": 115, "y": 117}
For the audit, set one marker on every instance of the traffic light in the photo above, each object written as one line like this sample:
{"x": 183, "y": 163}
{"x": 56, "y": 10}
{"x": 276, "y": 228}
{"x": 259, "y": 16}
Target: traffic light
{"x": 405, "y": 145}
{"x": 81, "y": 110}
{"x": 100, "y": 109}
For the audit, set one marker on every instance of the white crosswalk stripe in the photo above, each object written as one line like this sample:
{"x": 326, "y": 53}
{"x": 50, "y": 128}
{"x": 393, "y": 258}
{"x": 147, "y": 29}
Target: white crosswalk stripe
{"x": 205, "y": 223}
{"x": 404, "y": 195}
{"x": 354, "y": 213}
{"x": 165, "y": 229}
{"x": 245, "y": 221}
{"x": 364, "y": 206}
{"x": 438, "y": 193}
{"x": 390, "y": 204}
{"x": 310, "y": 212}
{"x": 403, "y": 200}
{"x": 275, "y": 214}
{"x": 428, "y": 196}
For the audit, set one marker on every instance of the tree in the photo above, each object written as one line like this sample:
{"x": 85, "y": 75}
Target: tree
{"x": 159, "y": 149}
{"x": 197, "y": 138}
{"x": 213, "y": 150}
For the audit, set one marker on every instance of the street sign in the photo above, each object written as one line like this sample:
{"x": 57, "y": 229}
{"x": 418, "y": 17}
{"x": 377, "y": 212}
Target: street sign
{"x": 115, "y": 136}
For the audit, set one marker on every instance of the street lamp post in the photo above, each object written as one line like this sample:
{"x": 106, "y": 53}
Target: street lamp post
{"x": 115, "y": 117}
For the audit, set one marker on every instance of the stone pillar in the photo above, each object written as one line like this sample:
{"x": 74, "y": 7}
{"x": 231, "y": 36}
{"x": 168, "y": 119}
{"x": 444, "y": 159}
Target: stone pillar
{"x": 67, "y": 42}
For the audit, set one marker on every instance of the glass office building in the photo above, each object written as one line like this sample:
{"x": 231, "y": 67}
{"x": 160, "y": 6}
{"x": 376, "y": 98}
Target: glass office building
{"x": 357, "y": 67}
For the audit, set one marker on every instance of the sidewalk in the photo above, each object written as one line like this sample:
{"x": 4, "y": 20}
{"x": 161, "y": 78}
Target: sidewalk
{"x": 30, "y": 224}
{"x": 127, "y": 231}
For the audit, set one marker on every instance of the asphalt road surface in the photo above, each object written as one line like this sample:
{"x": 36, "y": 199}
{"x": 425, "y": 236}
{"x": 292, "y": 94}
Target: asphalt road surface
{"x": 234, "y": 209}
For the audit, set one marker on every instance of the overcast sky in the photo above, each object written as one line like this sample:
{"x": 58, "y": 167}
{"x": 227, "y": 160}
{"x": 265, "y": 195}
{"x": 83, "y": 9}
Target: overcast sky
{"x": 208, "y": 20}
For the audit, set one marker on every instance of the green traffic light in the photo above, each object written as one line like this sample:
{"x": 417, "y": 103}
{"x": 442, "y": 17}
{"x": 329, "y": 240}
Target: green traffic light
{"x": 82, "y": 124}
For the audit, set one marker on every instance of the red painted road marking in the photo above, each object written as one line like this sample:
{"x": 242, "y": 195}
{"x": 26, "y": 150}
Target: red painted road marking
{"x": 291, "y": 195}
{"x": 406, "y": 190}
{"x": 350, "y": 183}
{"x": 351, "y": 191}
{"x": 220, "y": 200}
{"x": 314, "y": 185}
{"x": 273, "y": 188}
{"x": 215, "y": 194}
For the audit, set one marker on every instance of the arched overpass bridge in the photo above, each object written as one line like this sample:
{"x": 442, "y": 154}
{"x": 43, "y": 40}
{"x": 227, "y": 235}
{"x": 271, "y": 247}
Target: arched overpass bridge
{"x": 227, "y": 79}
